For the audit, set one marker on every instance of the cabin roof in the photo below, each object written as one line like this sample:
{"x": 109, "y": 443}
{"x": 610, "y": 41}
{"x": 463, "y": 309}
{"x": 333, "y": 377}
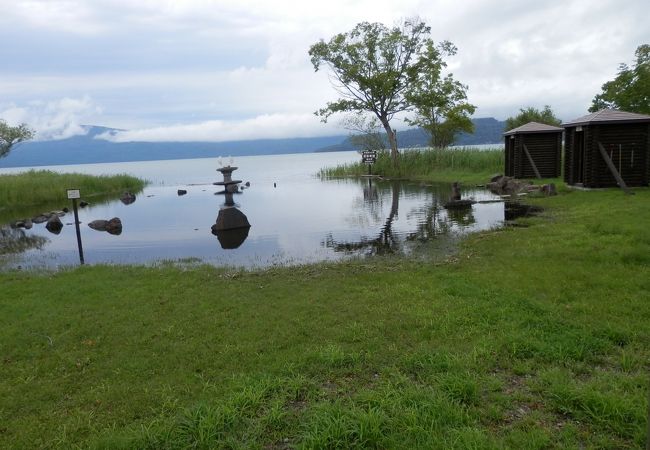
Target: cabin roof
{"x": 534, "y": 127}
{"x": 607, "y": 116}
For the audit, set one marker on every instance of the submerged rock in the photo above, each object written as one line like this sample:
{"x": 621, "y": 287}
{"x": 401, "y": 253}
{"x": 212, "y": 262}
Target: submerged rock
{"x": 112, "y": 226}
{"x": 127, "y": 198}
{"x": 181, "y": 192}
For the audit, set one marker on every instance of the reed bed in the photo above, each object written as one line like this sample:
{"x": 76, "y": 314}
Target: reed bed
{"x": 427, "y": 163}
{"x": 44, "y": 186}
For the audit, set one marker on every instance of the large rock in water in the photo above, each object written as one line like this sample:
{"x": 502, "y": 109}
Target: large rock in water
{"x": 54, "y": 224}
{"x": 112, "y": 226}
{"x": 229, "y": 219}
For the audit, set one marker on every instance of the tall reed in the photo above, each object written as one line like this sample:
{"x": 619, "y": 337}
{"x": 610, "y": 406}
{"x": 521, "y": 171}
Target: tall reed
{"x": 425, "y": 163}
{"x": 43, "y": 186}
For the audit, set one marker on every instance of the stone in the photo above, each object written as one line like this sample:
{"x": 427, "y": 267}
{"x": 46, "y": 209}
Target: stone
{"x": 181, "y": 192}
{"x": 548, "y": 189}
{"x": 99, "y": 225}
{"x": 127, "y": 198}
{"x": 41, "y": 218}
{"x": 114, "y": 226}
{"x": 83, "y": 203}
{"x": 54, "y": 224}
{"x": 230, "y": 218}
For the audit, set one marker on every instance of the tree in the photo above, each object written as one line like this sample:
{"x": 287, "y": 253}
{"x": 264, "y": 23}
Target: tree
{"x": 532, "y": 114}
{"x": 630, "y": 90}
{"x": 440, "y": 103}
{"x": 365, "y": 132}
{"x": 10, "y": 136}
{"x": 373, "y": 67}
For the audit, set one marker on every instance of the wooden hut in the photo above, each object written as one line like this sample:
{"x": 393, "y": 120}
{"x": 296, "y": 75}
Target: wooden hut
{"x": 607, "y": 147}
{"x": 534, "y": 150}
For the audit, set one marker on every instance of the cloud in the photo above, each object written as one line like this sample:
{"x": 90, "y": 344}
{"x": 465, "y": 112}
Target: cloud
{"x": 52, "y": 120}
{"x": 267, "y": 126}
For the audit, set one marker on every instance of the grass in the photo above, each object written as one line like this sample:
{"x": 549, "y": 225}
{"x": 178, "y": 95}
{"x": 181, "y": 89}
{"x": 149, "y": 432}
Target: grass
{"x": 454, "y": 164}
{"x": 37, "y": 187}
{"x": 530, "y": 337}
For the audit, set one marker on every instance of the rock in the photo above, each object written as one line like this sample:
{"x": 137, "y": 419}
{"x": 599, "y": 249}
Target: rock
{"x": 65, "y": 209}
{"x": 18, "y": 224}
{"x": 112, "y": 226}
{"x": 57, "y": 213}
{"x": 83, "y": 203}
{"x": 232, "y": 188}
{"x": 41, "y": 218}
{"x": 127, "y": 198}
{"x": 548, "y": 189}
{"x": 247, "y": 184}
{"x": 28, "y": 224}
{"x": 181, "y": 192}
{"x": 99, "y": 225}
{"x": 507, "y": 185}
{"x": 54, "y": 224}
{"x": 496, "y": 178}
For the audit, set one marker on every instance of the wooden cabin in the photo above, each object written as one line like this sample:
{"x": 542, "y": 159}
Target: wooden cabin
{"x": 599, "y": 144}
{"x": 533, "y": 150}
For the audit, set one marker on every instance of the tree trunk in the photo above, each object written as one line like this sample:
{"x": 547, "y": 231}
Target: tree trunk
{"x": 392, "y": 140}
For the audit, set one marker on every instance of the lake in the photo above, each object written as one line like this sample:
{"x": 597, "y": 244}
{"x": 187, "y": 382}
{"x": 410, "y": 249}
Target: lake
{"x": 295, "y": 216}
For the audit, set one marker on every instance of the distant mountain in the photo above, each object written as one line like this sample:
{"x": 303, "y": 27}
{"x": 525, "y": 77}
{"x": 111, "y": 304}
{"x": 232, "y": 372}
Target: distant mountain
{"x": 85, "y": 149}
{"x": 486, "y": 131}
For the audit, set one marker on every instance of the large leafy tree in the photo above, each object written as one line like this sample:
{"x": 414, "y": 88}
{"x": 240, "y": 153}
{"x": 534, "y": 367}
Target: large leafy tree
{"x": 10, "y": 136}
{"x": 440, "y": 104}
{"x": 630, "y": 90}
{"x": 532, "y": 114}
{"x": 365, "y": 132}
{"x": 373, "y": 67}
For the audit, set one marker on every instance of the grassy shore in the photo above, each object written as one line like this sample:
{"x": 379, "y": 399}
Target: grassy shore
{"x": 529, "y": 337}
{"x": 37, "y": 187}
{"x": 456, "y": 164}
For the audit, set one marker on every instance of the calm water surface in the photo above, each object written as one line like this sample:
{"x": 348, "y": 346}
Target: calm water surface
{"x": 295, "y": 217}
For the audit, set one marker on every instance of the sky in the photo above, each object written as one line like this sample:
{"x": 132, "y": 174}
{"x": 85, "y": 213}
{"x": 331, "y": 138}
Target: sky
{"x": 218, "y": 70}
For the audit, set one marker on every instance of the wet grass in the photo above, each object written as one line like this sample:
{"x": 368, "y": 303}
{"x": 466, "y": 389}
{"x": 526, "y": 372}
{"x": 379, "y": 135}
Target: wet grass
{"x": 454, "y": 164}
{"x": 528, "y": 338}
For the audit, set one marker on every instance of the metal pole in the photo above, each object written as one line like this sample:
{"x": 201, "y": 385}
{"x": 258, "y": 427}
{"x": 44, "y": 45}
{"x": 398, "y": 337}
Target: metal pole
{"x": 369, "y": 169}
{"x": 76, "y": 225}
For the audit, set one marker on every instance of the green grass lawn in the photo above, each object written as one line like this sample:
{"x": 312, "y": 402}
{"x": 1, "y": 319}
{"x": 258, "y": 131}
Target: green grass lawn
{"x": 529, "y": 337}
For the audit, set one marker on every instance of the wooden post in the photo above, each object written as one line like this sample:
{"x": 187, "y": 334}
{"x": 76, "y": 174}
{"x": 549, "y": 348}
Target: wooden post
{"x": 532, "y": 163}
{"x": 612, "y": 168}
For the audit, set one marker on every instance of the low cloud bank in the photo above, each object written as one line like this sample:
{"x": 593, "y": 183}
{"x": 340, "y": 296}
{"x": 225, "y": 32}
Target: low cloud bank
{"x": 52, "y": 120}
{"x": 267, "y": 126}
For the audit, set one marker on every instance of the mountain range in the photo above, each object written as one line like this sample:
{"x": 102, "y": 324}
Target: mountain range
{"x": 86, "y": 148}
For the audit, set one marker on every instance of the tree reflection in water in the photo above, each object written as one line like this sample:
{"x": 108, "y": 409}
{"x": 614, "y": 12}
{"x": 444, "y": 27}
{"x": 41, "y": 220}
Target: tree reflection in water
{"x": 15, "y": 240}
{"x": 433, "y": 219}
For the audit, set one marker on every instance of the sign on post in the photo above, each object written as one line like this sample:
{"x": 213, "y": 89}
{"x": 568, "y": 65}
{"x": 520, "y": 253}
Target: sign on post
{"x": 369, "y": 156}
{"x": 74, "y": 194}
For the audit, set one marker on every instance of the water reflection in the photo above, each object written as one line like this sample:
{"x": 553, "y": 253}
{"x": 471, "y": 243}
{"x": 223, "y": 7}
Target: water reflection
{"x": 429, "y": 218}
{"x": 16, "y": 240}
{"x": 298, "y": 218}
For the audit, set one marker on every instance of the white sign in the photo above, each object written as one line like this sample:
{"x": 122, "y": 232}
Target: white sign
{"x": 73, "y": 193}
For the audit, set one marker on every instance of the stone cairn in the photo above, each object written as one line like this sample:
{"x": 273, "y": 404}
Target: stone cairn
{"x": 231, "y": 227}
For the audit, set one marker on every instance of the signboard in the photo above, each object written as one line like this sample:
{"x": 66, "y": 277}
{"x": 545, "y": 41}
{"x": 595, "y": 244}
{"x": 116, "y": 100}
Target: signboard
{"x": 369, "y": 156}
{"x": 73, "y": 193}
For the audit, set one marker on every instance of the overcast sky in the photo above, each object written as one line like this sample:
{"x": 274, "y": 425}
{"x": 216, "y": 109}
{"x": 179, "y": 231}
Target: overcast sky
{"x": 217, "y": 70}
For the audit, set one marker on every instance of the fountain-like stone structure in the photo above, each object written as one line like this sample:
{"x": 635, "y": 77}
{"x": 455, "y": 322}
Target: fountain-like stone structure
{"x": 231, "y": 227}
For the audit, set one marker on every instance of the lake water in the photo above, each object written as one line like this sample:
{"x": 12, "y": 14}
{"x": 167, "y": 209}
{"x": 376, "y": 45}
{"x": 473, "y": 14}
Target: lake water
{"x": 295, "y": 216}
